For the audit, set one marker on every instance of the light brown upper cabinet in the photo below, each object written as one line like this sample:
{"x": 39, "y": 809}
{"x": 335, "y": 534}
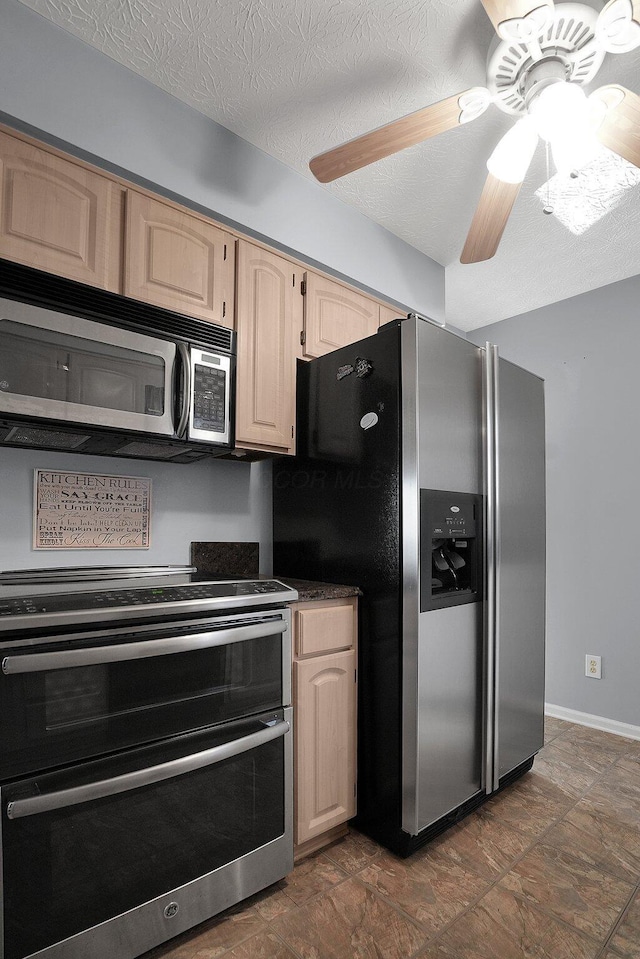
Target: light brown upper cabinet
{"x": 269, "y": 314}
{"x": 334, "y": 315}
{"x": 177, "y": 260}
{"x": 58, "y": 216}
{"x": 388, "y": 313}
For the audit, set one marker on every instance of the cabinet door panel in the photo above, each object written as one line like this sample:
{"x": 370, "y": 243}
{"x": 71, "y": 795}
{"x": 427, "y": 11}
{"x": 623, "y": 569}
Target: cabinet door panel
{"x": 335, "y": 316}
{"x": 178, "y": 261}
{"x": 268, "y": 294}
{"x": 57, "y": 216}
{"x": 325, "y": 747}
{"x": 388, "y": 313}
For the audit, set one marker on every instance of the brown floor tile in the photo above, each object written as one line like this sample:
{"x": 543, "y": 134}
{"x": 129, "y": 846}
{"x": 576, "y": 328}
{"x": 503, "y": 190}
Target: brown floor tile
{"x": 272, "y": 902}
{"x": 349, "y": 922}
{"x": 617, "y": 795}
{"x": 570, "y": 890}
{"x": 626, "y": 940}
{"x": 263, "y": 946}
{"x": 617, "y": 745}
{"x": 486, "y": 844}
{"x": 213, "y": 938}
{"x": 573, "y": 774}
{"x": 503, "y": 926}
{"x": 530, "y": 805}
{"x": 598, "y": 840}
{"x": 353, "y": 852}
{"x": 596, "y": 754}
{"x": 428, "y": 886}
{"x": 630, "y": 765}
{"x": 311, "y": 876}
{"x": 553, "y": 727}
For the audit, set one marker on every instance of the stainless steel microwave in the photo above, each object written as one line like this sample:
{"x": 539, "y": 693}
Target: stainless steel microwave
{"x": 87, "y": 371}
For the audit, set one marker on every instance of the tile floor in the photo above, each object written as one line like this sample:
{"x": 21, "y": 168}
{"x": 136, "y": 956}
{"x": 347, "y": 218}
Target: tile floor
{"x": 549, "y": 869}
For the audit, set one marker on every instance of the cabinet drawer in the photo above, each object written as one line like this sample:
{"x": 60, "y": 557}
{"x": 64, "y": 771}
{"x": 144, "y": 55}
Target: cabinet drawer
{"x": 325, "y": 627}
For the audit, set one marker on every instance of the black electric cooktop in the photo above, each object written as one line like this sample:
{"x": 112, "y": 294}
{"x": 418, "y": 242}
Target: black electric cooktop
{"x": 48, "y": 598}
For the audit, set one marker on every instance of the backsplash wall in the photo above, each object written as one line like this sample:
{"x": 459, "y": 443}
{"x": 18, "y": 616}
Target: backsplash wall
{"x": 208, "y": 500}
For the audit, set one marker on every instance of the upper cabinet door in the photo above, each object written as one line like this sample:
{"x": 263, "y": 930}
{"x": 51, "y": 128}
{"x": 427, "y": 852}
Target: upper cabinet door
{"x": 335, "y": 316}
{"x": 269, "y": 313}
{"x": 177, "y": 260}
{"x": 58, "y": 216}
{"x": 388, "y": 313}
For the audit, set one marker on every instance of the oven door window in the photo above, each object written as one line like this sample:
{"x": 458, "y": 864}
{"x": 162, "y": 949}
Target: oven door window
{"x": 49, "y": 716}
{"x": 69, "y": 867}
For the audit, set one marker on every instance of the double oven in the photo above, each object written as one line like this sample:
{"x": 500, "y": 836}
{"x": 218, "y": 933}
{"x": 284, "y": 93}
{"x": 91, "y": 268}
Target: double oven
{"x": 145, "y": 755}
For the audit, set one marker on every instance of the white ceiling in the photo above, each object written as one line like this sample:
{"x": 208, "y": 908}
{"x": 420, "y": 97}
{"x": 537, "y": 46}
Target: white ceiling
{"x": 296, "y": 77}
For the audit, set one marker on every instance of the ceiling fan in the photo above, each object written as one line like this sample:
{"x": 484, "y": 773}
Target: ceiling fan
{"x": 542, "y": 57}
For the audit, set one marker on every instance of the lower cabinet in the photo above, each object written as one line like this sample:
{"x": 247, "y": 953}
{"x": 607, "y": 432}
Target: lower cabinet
{"x": 324, "y": 699}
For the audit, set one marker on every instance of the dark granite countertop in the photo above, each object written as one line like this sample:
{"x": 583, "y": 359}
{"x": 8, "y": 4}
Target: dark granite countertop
{"x": 241, "y": 559}
{"x": 309, "y": 590}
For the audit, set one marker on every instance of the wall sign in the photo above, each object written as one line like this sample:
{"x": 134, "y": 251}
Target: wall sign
{"x": 90, "y": 511}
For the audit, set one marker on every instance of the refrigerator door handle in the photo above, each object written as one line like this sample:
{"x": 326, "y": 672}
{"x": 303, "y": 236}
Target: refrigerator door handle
{"x": 492, "y": 568}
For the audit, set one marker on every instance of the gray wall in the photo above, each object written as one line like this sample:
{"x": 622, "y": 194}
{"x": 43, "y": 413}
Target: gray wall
{"x": 208, "y": 500}
{"x": 587, "y": 349}
{"x": 63, "y": 90}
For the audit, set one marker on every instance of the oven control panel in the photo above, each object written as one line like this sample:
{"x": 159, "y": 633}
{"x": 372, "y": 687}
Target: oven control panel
{"x": 200, "y": 596}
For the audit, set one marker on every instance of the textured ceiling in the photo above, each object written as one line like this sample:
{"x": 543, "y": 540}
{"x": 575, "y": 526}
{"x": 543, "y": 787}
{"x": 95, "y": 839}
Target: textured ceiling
{"x": 296, "y": 77}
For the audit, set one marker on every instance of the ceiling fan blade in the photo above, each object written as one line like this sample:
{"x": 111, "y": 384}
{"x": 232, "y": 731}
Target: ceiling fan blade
{"x": 489, "y": 220}
{"x": 618, "y": 26}
{"x": 405, "y": 132}
{"x": 519, "y": 20}
{"x": 619, "y": 129}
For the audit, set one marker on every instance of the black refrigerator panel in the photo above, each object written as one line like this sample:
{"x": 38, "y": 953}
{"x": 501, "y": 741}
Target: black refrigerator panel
{"x": 337, "y": 519}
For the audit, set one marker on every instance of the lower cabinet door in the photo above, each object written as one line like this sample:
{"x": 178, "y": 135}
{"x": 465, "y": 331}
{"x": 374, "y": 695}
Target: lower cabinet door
{"x": 325, "y": 743}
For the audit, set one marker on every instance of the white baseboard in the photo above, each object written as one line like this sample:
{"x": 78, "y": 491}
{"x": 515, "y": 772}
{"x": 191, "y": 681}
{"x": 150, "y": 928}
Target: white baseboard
{"x": 594, "y": 722}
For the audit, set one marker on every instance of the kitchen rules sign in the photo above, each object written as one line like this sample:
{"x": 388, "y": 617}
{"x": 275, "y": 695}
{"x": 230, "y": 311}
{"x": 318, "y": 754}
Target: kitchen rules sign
{"x": 90, "y": 511}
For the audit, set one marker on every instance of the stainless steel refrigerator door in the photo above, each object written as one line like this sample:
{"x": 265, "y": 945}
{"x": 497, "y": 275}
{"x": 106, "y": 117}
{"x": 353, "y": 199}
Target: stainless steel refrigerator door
{"x": 442, "y": 649}
{"x": 520, "y": 572}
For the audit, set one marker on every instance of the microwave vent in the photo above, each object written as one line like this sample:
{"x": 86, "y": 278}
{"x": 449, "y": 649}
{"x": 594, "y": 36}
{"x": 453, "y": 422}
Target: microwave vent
{"x": 48, "y": 439}
{"x": 156, "y": 451}
{"x": 56, "y": 292}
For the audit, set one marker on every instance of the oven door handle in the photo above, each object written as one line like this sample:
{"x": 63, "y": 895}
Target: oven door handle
{"x": 48, "y": 802}
{"x": 96, "y": 655}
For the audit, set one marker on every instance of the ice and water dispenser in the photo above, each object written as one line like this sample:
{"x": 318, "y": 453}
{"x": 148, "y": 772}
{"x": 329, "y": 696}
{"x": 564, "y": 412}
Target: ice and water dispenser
{"x": 450, "y": 549}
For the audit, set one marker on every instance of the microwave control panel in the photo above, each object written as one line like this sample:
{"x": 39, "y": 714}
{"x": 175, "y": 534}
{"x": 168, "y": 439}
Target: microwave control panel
{"x": 209, "y": 392}
{"x": 211, "y": 414}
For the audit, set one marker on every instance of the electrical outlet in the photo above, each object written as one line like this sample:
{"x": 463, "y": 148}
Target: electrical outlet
{"x": 593, "y": 666}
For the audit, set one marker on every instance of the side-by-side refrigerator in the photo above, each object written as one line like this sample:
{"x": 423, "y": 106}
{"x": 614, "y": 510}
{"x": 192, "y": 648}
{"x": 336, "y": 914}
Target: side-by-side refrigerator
{"x": 420, "y": 478}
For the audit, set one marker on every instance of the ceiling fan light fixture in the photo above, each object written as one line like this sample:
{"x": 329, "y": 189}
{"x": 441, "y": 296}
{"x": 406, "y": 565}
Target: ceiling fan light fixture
{"x": 512, "y": 156}
{"x": 564, "y": 117}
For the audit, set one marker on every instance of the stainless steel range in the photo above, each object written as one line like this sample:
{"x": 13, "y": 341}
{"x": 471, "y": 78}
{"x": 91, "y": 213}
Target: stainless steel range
{"x": 145, "y": 754}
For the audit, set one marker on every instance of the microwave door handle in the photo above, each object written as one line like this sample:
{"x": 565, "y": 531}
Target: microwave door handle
{"x": 97, "y": 655}
{"x": 185, "y": 372}
{"x": 48, "y": 802}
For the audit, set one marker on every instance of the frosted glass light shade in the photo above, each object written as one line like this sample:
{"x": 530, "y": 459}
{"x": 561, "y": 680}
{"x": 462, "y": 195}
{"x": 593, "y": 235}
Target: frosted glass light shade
{"x": 564, "y": 117}
{"x": 510, "y": 160}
